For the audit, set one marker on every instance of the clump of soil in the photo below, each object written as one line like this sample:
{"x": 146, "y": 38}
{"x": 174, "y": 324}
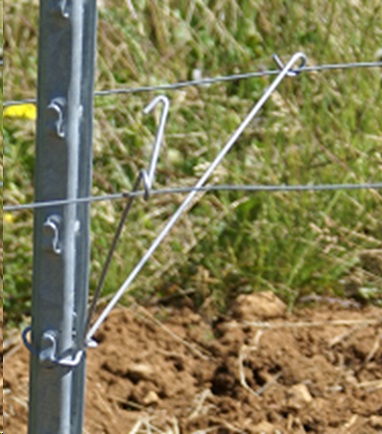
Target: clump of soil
{"x": 317, "y": 370}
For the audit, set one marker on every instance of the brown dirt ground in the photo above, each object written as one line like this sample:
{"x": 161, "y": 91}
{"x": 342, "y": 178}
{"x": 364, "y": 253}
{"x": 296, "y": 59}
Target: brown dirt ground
{"x": 260, "y": 370}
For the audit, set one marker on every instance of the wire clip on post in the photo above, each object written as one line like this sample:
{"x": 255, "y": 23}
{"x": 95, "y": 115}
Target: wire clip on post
{"x": 61, "y": 8}
{"x": 51, "y": 234}
{"x": 57, "y": 106}
{"x": 48, "y": 350}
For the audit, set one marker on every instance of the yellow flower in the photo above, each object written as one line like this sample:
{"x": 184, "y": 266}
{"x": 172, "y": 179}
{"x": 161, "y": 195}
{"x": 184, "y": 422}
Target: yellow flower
{"x": 8, "y": 217}
{"x": 24, "y": 111}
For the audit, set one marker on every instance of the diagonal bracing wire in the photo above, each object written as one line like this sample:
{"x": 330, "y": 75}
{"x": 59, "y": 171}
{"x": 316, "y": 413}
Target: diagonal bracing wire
{"x": 286, "y": 70}
{"x": 214, "y": 80}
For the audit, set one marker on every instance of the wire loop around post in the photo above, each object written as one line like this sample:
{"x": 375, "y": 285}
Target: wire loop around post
{"x": 48, "y": 355}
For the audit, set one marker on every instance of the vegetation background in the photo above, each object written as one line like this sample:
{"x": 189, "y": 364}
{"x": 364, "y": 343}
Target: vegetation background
{"x": 317, "y": 128}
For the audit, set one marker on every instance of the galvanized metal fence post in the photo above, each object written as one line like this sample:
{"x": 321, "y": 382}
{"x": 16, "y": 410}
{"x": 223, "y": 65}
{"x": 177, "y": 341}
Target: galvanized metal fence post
{"x": 61, "y": 234}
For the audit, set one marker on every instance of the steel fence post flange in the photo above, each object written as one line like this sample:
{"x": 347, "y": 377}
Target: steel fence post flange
{"x": 61, "y": 233}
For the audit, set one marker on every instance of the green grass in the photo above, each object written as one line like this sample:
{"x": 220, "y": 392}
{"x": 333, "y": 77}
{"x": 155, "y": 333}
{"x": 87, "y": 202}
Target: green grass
{"x": 319, "y": 128}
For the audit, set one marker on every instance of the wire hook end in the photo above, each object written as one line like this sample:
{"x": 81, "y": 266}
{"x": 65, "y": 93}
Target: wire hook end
{"x": 292, "y": 72}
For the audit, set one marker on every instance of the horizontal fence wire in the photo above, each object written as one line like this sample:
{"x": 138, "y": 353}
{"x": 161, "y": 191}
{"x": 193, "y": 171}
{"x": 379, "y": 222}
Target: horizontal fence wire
{"x": 185, "y": 190}
{"x": 213, "y": 80}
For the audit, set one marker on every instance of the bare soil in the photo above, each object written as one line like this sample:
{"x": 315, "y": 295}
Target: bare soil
{"x": 258, "y": 370}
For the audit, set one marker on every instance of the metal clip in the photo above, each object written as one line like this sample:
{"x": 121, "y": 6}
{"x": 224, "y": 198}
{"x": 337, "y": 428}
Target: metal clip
{"x": 57, "y": 105}
{"x": 61, "y": 7}
{"x": 48, "y": 350}
{"x": 48, "y": 353}
{"x": 51, "y": 231}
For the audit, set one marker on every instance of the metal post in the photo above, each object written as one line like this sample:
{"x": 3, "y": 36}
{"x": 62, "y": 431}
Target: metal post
{"x": 61, "y": 235}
